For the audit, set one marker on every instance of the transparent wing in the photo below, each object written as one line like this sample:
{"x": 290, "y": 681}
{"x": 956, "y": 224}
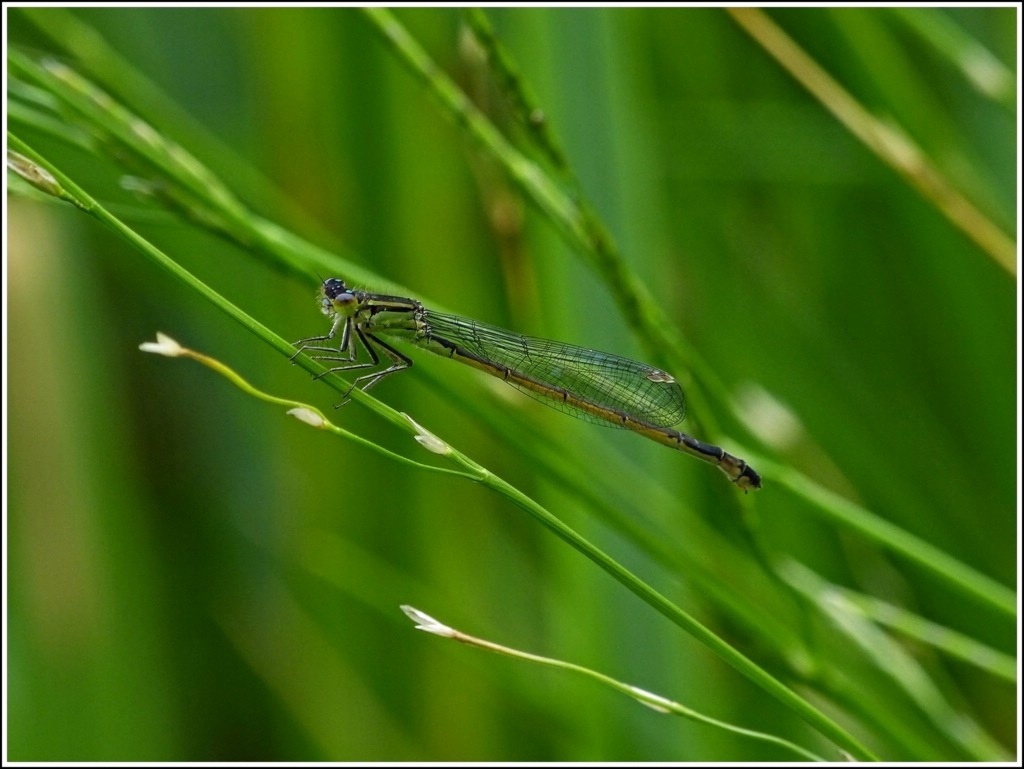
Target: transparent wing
{"x": 642, "y": 392}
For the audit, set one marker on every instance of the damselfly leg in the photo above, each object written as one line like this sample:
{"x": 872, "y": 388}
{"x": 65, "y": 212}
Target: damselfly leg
{"x": 347, "y": 354}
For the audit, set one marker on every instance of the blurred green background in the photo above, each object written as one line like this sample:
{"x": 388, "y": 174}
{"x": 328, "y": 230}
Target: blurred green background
{"x": 191, "y": 576}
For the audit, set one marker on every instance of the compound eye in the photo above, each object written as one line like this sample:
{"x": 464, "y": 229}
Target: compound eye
{"x": 333, "y": 288}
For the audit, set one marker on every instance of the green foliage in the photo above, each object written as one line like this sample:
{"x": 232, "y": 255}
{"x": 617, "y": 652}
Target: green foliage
{"x": 830, "y": 272}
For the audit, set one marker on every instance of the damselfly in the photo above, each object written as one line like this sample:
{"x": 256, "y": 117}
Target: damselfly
{"x": 595, "y": 386}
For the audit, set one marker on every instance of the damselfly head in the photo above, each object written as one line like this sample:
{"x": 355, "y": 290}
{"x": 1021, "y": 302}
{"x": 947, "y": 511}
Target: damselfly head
{"x": 336, "y": 297}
